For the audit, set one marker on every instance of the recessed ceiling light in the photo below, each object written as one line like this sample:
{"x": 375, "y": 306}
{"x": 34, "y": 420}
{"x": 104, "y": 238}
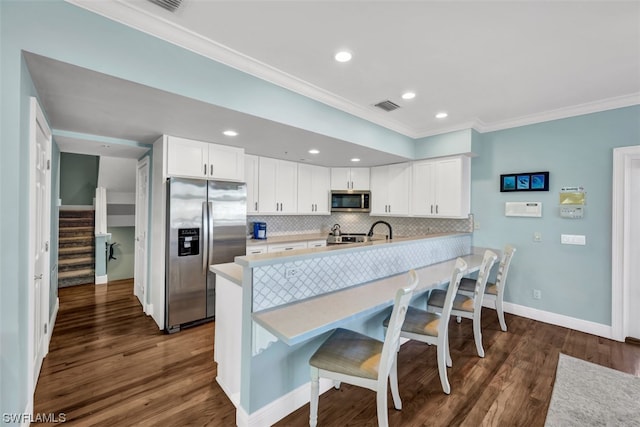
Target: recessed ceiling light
{"x": 441, "y": 115}
{"x": 314, "y": 151}
{"x": 355, "y": 159}
{"x": 230, "y": 132}
{"x": 408, "y": 95}
{"x": 343, "y": 56}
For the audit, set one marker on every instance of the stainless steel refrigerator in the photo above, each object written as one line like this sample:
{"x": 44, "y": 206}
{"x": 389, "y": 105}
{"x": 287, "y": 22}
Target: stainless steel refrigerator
{"x": 206, "y": 224}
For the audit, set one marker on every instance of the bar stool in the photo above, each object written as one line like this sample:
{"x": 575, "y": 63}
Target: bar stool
{"x": 493, "y": 292}
{"x": 354, "y": 358}
{"x": 466, "y": 306}
{"x": 432, "y": 328}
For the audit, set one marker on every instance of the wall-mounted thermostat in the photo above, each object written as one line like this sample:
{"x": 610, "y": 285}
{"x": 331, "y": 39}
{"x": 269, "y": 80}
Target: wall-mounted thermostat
{"x": 527, "y": 209}
{"x": 571, "y": 212}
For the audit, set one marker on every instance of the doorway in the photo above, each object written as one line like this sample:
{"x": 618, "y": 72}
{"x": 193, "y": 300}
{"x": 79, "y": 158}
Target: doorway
{"x": 625, "y": 319}
{"x": 141, "y": 226}
{"x": 39, "y": 241}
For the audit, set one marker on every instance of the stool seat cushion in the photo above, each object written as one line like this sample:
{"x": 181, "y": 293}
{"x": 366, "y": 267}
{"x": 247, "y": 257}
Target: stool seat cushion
{"x": 348, "y": 352}
{"x": 469, "y": 285}
{"x": 419, "y": 322}
{"x": 460, "y": 302}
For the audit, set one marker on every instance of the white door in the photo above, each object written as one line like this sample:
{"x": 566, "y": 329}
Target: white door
{"x": 634, "y": 250}
{"x": 142, "y": 204}
{"x": 39, "y": 238}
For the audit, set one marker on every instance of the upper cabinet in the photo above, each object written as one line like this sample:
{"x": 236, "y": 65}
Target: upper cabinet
{"x": 278, "y": 188}
{"x": 390, "y": 189}
{"x": 441, "y": 188}
{"x": 313, "y": 189}
{"x": 350, "y": 179}
{"x": 203, "y": 160}
{"x": 251, "y": 168}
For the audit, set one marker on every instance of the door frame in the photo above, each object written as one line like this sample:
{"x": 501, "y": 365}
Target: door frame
{"x": 144, "y": 298}
{"x": 621, "y": 246}
{"x": 37, "y": 118}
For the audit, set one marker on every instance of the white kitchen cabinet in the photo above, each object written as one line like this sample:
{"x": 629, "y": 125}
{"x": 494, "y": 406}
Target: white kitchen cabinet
{"x": 257, "y": 249}
{"x": 203, "y": 160}
{"x": 390, "y": 189}
{"x": 313, "y": 189}
{"x": 284, "y": 247}
{"x": 278, "y": 190}
{"x": 251, "y": 168}
{"x": 317, "y": 243}
{"x": 441, "y": 188}
{"x": 350, "y": 179}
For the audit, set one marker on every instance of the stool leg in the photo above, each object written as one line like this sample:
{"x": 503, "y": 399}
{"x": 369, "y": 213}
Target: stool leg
{"x": 477, "y": 334}
{"x": 313, "y": 403}
{"x": 393, "y": 379}
{"x": 500, "y": 310}
{"x": 442, "y": 351}
{"x": 381, "y": 400}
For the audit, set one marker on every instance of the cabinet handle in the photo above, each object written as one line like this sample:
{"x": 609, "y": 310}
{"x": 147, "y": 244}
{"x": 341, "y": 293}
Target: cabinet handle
{"x": 431, "y": 208}
{"x": 211, "y": 169}
{"x": 436, "y": 208}
{"x": 348, "y": 185}
{"x": 389, "y": 208}
{"x": 205, "y": 169}
{"x": 256, "y": 206}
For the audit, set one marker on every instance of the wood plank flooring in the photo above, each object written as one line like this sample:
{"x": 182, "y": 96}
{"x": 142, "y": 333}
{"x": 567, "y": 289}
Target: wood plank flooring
{"x": 108, "y": 365}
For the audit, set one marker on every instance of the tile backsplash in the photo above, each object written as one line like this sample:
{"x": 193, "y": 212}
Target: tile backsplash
{"x": 359, "y": 223}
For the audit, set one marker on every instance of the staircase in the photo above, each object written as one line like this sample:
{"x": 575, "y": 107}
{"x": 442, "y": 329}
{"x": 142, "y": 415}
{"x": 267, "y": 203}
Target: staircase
{"x": 76, "y": 248}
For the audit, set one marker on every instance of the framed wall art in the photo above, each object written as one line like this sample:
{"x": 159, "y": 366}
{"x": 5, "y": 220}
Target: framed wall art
{"x": 526, "y": 181}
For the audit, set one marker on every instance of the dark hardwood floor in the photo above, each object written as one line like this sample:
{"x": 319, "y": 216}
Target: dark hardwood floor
{"x": 109, "y": 365}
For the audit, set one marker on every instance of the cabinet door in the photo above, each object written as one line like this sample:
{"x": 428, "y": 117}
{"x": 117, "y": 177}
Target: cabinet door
{"x": 186, "y": 158}
{"x": 360, "y": 179}
{"x": 225, "y": 162}
{"x": 452, "y": 187}
{"x": 316, "y": 243}
{"x": 340, "y": 178}
{"x": 320, "y": 188}
{"x": 251, "y": 166}
{"x": 256, "y": 249}
{"x": 398, "y": 176}
{"x": 287, "y": 186}
{"x": 267, "y": 187}
{"x": 422, "y": 194}
{"x": 285, "y": 247}
{"x": 379, "y": 190}
{"x": 306, "y": 199}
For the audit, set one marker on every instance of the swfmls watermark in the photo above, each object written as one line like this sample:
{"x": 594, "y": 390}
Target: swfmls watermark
{"x": 50, "y": 417}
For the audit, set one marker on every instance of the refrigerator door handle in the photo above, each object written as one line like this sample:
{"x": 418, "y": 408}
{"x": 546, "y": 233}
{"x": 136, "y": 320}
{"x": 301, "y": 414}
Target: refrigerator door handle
{"x": 210, "y": 233}
{"x": 205, "y": 235}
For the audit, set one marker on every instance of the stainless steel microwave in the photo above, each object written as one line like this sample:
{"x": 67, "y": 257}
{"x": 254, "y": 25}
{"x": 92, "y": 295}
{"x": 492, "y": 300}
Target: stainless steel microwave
{"x": 350, "y": 201}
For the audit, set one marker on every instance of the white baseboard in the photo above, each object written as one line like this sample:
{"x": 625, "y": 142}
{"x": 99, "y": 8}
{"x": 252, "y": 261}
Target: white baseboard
{"x": 278, "y": 409}
{"x": 234, "y": 397}
{"x": 101, "y": 280}
{"x": 52, "y": 323}
{"x": 586, "y": 326}
{"x": 149, "y": 310}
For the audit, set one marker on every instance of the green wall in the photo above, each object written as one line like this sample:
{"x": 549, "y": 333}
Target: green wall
{"x": 122, "y": 267}
{"x": 78, "y": 178}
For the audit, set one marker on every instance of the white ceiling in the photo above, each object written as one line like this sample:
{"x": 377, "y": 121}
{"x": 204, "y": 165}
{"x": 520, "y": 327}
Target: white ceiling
{"x": 489, "y": 64}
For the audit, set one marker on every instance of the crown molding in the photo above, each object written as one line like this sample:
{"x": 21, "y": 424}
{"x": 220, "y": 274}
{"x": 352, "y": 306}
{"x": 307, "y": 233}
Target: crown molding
{"x": 563, "y": 113}
{"x": 132, "y": 16}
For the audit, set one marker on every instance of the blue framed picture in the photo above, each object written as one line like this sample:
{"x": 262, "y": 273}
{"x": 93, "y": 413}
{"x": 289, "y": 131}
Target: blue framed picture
{"x": 528, "y": 181}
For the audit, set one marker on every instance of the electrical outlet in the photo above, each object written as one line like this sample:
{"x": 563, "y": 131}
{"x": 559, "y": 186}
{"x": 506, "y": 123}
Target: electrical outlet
{"x": 292, "y": 272}
{"x": 537, "y": 294}
{"x": 537, "y": 236}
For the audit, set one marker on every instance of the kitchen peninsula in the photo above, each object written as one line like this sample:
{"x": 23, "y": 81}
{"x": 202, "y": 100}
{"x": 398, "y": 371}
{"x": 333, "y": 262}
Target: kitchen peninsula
{"x": 296, "y": 298}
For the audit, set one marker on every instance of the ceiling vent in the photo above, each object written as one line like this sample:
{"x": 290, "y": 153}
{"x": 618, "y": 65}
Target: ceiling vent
{"x": 170, "y": 5}
{"x": 387, "y": 105}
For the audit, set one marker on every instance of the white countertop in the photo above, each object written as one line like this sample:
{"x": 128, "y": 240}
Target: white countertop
{"x": 287, "y": 239}
{"x": 230, "y": 270}
{"x": 270, "y": 258}
{"x": 300, "y": 321}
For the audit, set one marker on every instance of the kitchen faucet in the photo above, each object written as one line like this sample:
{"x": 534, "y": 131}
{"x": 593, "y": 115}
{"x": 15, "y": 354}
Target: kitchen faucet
{"x": 370, "y": 234}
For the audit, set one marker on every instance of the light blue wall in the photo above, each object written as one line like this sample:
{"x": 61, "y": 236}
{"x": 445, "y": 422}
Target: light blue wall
{"x": 575, "y": 280}
{"x": 458, "y": 142}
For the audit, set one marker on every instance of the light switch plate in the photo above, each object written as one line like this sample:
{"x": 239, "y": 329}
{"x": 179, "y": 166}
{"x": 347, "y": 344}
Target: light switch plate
{"x": 573, "y": 239}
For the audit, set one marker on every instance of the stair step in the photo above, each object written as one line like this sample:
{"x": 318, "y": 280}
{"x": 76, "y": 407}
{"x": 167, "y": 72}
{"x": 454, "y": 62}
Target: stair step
{"x": 69, "y": 239}
{"x": 76, "y": 260}
{"x": 77, "y": 229}
{"x": 74, "y": 250}
{"x": 73, "y": 281}
{"x": 76, "y": 214}
{"x": 86, "y": 272}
